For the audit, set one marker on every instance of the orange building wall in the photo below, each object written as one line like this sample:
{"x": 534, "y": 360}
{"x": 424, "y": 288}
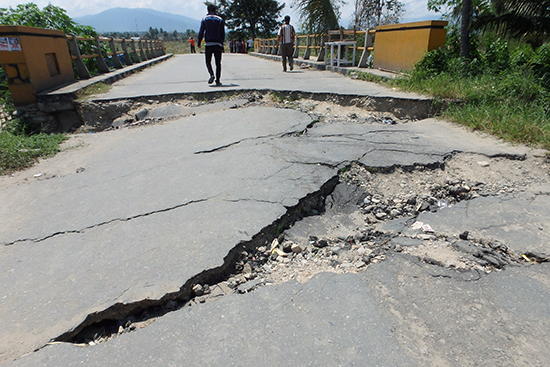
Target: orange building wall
{"x": 44, "y": 62}
{"x": 399, "y": 47}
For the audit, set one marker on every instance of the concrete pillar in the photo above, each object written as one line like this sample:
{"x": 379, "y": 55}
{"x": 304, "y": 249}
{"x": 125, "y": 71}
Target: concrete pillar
{"x": 135, "y": 56}
{"x": 127, "y": 56}
{"x": 308, "y": 48}
{"x": 142, "y": 53}
{"x": 296, "y": 48}
{"x": 116, "y": 60}
{"x": 81, "y": 69}
{"x": 101, "y": 64}
{"x": 322, "y": 55}
{"x": 369, "y": 38}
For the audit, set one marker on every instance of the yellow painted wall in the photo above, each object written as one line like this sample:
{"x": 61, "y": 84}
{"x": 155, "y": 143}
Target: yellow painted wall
{"x": 399, "y": 47}
{"x": 44, "y": 62}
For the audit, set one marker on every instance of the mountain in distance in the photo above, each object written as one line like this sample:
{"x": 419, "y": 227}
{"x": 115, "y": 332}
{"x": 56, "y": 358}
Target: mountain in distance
{"x": 126, "y": 19}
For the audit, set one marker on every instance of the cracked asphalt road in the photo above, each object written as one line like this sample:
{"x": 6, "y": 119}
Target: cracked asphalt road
{"x": 155, "y": 206}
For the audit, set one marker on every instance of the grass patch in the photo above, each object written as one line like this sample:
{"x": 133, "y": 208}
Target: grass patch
{"x": 503, "y": 90}
{"x": 369, "y": 77}
{"x": 178, "y": 47}
{"x": 512, "y": 106}
{"x": 93, "y": 89}
{"x": 18, "y": 152}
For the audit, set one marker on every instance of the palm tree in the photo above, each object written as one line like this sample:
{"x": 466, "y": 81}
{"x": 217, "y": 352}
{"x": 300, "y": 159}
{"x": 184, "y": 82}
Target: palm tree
{"x": 527, "y": 19}
{"x": 319, "y": 16}
{"x": 465, "y": 30}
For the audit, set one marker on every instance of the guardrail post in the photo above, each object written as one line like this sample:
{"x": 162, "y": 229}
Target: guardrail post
{"x": 142, "y": 51}
{"x": 308, "y": 48}
{"x": 153, "y": 48}
{"x": 135, "y": 56}
{"x": 101, "y": 64}
{"x": 81, "y": 69}
{"x": 127, "y": 57}
{"x": 296, "y": 48}
{"x": 369, "y": 41}
{"x": 116, "y": 60}
{"x": 148, "y": 49}
{"x": 262, "y": 46}
{"x": 321, "y": 56}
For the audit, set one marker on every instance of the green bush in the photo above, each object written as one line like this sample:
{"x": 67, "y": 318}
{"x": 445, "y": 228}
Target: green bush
{"x": 503, "y": 89}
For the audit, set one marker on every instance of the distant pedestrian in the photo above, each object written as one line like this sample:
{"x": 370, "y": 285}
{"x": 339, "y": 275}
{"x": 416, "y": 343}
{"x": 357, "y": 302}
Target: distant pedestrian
{"x": 192, "y": 44}
{"x": 213, "y": 31}
{"x": 286, "y": 37}
{"x": 249, "y": 44}
{"x": 231, "y": 46}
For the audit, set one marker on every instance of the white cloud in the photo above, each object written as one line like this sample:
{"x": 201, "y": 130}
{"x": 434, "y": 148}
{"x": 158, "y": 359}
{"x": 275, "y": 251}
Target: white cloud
{"x": 195, "y": 8}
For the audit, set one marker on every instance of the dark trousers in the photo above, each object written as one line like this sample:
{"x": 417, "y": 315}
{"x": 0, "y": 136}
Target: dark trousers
{"x": 192, "y": 49}
{"x": 217, "y": 52}
{"x": 287, "y": 51}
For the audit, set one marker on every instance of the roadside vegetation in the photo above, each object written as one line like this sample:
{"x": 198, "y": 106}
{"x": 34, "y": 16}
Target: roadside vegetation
{"x": 22, "y": 145}
{"x": 178, "y": 47}
{"x": 503, "y": 89}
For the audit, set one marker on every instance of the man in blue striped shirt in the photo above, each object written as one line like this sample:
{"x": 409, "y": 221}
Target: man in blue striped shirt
{"x": 213, "y": 31}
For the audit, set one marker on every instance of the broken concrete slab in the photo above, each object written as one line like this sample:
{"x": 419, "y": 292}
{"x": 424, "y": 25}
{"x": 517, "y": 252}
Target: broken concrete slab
{"x": 141, "y": 158}
{"x": 498, "y": 218}
{"x": 397, "y": 313}
{"x": 302, "y": 322}
{"x": 158, "y": 205}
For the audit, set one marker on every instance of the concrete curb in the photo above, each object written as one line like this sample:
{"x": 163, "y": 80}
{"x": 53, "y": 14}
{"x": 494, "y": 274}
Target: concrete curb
{"x": 108, "y": 78}
{"x": 322, "y": 66}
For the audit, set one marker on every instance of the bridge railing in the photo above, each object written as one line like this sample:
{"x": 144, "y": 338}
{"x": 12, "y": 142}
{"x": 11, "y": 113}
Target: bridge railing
{"x": 306, "y": 43}
{"x": 110, "y": 52}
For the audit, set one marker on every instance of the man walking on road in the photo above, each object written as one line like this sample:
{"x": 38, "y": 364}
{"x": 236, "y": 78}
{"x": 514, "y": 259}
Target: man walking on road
{"x": 287, "y": 35}
{"x": 213, "y": 31}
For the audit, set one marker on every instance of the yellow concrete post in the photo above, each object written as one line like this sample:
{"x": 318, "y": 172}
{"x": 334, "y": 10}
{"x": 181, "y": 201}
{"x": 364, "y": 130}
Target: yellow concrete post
{"x": 34, "y": 60}
{"x": 399, "y": 47}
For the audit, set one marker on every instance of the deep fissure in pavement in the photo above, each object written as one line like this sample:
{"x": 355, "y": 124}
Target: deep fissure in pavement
{"x": 99, "y": 115}
{"x": 109, "y": 321}
{"x": 276, "y": 255}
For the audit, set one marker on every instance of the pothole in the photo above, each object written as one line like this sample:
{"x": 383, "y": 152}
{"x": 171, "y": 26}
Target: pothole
{"x": 360, "y": 206}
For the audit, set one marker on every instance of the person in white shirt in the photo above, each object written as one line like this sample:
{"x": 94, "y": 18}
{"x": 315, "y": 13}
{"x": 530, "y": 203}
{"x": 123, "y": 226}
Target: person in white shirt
{"x": 286, "y": 39}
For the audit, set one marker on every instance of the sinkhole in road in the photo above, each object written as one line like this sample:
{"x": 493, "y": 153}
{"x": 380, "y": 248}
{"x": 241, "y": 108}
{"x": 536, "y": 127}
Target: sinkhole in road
{"x": 351, "y": 223}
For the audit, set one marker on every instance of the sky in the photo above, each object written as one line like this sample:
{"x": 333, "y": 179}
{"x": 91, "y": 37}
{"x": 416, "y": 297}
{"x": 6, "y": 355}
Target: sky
{"x": 414, "y": 9}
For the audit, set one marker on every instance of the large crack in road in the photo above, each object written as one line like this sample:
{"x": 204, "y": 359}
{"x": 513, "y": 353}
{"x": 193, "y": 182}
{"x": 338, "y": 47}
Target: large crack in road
{"x": 368, "y": 212}
{"x": 270, "y": 259}
{"x": 344, "y": 233}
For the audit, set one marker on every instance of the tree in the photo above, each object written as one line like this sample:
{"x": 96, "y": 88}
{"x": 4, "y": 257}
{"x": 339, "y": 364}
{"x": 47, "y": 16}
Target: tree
{"x": 525, "y": 19}
{"x": 463, "y": 12}
{"x": 153, "y": 33}
{"x": 251, "y": 17}
{"x": 190, "y": 33}
{"x": 319, "y": 16}
{"x": 371, "y": 13}
{"x": 465, "y": 30}
{"x": 50, "y": 17}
